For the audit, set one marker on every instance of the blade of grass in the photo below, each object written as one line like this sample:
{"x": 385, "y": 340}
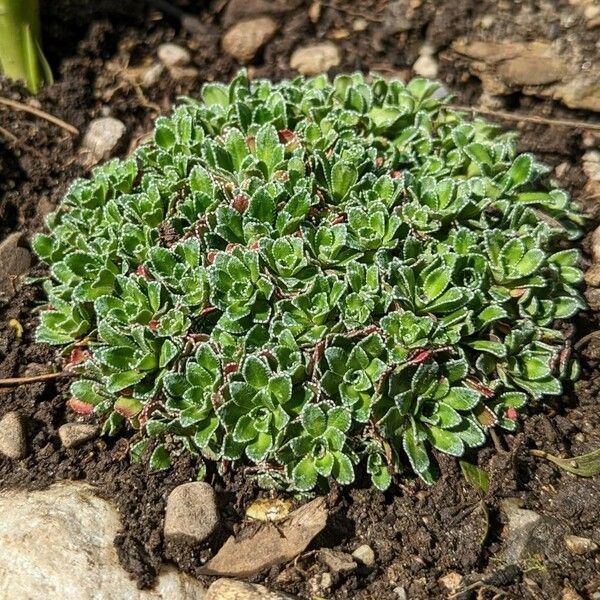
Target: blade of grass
{"x": 584, "y": 465}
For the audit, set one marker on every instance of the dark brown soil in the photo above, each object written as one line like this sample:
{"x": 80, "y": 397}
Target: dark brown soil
{"x": 419, "y": 534}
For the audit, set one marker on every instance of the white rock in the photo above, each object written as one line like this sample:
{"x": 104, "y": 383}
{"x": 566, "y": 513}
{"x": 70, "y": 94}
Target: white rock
{"x": 365, "y": 555}
{"x": 103, "y": 138}
{"x": 58, "y": 544}
{"x": 315, "y": 59}
{"x": 172, "y": 55}
{"x": 426, "y": 66}
{"x": 191, "y": 514}
{"x": 246, "y": 38}
{"x": 13, "y": 442}
{"x": 231, "y": 589}
{"x": 74, "y": 434}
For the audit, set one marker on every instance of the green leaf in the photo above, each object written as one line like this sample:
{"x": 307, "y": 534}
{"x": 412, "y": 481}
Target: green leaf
{"x": 304, "y": 475}
{"x": 436, "y": 282}
{"x": 343, "y": 471}
{"x": 445, "y": 441}
{"x": 475, "y": 476}
{"x": 461, "y": 398}
{"x": 257, "y": 451}
{"x": 343, "y": 177}
{"x": 416, "y": 452}
{"x": 160, "y": 459}
{"x": 584, "y": 465}
{"x": 256, "y": 372}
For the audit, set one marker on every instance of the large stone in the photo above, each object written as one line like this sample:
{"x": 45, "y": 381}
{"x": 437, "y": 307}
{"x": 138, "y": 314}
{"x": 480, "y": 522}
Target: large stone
{"x": 15, "y": 260}
{"x": 269, "y": 545}
{"x": 315, "y": 59}
{"x": 581, "y": 93}
{"x": 191, "y": 514}
{"x": 528, "y": 534}
{"x": 57, "y": 544}
{"x": 532, "y": 70}
{"x": 230, "y": 589}
{"x": 246, "y": 38}
{"x": 13, "y": 442}
{"x": 103, "y": 138}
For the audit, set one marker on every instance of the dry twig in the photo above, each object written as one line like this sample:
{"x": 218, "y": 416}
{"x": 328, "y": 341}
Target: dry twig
{"x": 38, "y": 112}
{"x": 527, "y": 118}
{"x": 35, "y": 378}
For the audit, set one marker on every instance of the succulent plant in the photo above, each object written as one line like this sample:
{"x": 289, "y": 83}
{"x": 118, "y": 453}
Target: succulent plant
{"x": 310, "y": 276}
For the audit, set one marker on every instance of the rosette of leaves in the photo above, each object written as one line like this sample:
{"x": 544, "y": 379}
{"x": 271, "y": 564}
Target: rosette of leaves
{"x": 314, "y": 279}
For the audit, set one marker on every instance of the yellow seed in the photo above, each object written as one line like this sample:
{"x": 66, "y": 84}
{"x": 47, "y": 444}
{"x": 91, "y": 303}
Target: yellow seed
{"x": 269, "y": 509}
{"x": 17, "y": 327}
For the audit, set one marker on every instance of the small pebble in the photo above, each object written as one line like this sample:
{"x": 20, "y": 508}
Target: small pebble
{"x": 580, "y": 545}
{"x": 426, "y": 66}
{"x": 365, "y": 555}
{"x": 315, "y": 59}
{"x": 400, "y": 593}
{"x": 452, "y": 581}
{"x": 172, "y": 55}
{"x": 103, "y": 138}
{"x": 191, "y": 513}
{"x": 13, "y": 442}
{"x": 246, "y": 38}
{"x": 74, "y": 434}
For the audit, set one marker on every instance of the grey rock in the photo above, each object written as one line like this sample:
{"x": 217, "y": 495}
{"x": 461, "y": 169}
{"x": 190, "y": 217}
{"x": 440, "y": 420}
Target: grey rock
{"x": 580, "y": 545}
{"x": 103, "y": 138}
{"x": 58, "y": 544}
{"x": 15, "y": 260}
{"x": 74, "y": 434}
{"x": 246, "y": 38}
{"x": 172, "y": 55}
{"x": 230, "y": 589}
{"x": 191, "y": 514}
{"x": 13, "y": 442}
{"x": 336, "y": 561}
{"x": 529, "y": 533}
{"x": 365, "y": 555}
{"x": 316, "y": 58}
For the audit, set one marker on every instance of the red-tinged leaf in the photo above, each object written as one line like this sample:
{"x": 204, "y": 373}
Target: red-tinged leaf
{"x": 420, "y": 356}
{"x": 81, "y": 408}
{"x": 512, "y": 413}
{"x": 240, "y": 203}
{"x": 128, "y": 407}
{"x": 78, "y": 355}
{"x": 142, "y": 271}
{"x": 286, "y": 136}
{"x": 485, "y": 416}
{"x": 210, "y": 257}
{"x": 231, "y": 368}
{"x": 153, "y": 324}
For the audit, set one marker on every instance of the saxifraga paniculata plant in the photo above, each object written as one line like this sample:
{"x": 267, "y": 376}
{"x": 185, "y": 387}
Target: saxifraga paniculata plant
{"x": 309, "y": 274}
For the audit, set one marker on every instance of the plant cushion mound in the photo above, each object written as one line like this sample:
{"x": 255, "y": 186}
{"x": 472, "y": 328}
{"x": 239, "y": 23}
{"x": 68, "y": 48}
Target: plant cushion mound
{"x": 310, "y": 274}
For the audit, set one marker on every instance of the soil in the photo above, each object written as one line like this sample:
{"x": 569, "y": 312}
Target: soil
{"x": 419, "y": 534}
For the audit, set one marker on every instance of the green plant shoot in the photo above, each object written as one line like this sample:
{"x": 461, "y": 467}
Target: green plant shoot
{"x": 21, "y": 55}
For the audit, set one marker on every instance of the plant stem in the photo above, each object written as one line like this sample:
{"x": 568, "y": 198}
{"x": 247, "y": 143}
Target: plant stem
{"x": 21, "y": 55}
